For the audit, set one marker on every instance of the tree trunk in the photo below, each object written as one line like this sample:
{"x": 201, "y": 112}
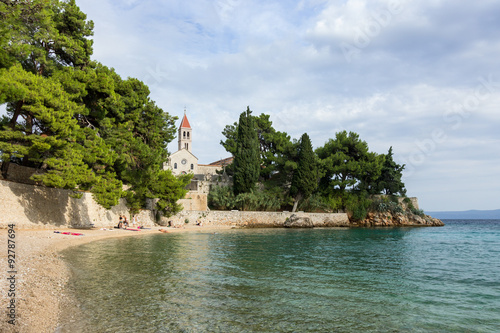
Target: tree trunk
{"x": 17, "y": 112}
{"x": 296, "y": 203}
{"x": 5, "y": 169}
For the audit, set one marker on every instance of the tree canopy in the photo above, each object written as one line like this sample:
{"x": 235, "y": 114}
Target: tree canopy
{"x": 347, "y": 163}
{"x": 337, "y": 176}
{"x": 75, "y": 118}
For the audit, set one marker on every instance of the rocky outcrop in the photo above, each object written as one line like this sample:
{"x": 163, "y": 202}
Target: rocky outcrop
{"x": 296, "y": 221}
{"x": 377, "y": 219}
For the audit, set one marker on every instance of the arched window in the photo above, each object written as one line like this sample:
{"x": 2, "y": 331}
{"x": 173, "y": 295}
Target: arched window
{"x": 175, "y": 165}
{"x": 188, "y": 134}
{"x": 186, "y": 145}
{"x": 192, "y": 166}
{"x": 184, "y": 134}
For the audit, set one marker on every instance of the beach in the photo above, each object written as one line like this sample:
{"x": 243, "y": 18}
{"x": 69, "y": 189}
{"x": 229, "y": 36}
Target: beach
{"x": 41, "y": 274}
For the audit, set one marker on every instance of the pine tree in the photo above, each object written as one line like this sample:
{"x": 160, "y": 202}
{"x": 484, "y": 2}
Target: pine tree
{"x": 390, "y": 181}
{"x": 76, "y": 119}
{"x": 305, "y": 177}
{"x": 246, "y": 159}
{"x": 348, "y": 164}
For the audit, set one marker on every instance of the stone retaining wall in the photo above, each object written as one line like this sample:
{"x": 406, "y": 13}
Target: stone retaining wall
{"x": 252, "y": 219}
{"x": 30, "y": 206}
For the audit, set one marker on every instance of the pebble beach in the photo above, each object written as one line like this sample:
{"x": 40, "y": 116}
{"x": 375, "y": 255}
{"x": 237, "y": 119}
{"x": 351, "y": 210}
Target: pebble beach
{"x": 41, "y": 274}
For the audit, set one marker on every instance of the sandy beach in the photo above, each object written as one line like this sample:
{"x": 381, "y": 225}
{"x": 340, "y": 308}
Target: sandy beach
{"x": 41, "y": 275}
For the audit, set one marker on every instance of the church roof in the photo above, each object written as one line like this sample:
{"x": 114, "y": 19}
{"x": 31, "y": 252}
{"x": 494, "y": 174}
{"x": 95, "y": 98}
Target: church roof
{"x": 185, "y": 122}
{"x": 223, "y": 162}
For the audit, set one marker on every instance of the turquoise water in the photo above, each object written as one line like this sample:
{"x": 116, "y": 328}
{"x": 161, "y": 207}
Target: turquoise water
{"x": 279, "y": 280}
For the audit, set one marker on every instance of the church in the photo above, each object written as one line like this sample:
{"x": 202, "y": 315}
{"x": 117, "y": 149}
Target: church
{"x": 183, "y": 161}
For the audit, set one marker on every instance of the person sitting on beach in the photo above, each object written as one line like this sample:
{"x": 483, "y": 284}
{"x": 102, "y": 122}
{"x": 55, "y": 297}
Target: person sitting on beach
{"x": 120, "y": 224}
{"x": 125, "y": 222}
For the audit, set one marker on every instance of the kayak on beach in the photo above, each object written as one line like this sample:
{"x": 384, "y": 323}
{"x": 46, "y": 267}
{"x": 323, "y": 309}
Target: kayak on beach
{"x": 69, "y": 233}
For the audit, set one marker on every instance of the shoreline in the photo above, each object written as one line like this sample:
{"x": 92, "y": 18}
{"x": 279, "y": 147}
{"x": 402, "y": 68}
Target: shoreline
{"x": 42, "y": 275}
{"x": 42, "y": 299}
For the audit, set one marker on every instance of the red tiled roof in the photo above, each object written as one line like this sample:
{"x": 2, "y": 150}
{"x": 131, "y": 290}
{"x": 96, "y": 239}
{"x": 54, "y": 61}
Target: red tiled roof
{"x": 223, "y": 162}
{"x": 185, "y": 123}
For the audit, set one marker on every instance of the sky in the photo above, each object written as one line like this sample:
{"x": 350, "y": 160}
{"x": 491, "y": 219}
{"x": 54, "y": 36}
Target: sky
{"x": 420, "y": 76}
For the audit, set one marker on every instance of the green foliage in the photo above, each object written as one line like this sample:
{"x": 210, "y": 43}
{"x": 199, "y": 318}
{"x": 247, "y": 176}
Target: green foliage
{"x": 387, "y": 204}
{"x": 78, "y": 120}
{"x": 274, "y": 146}
{"x": 391, "y": 207}
{"x": 314, "y": 203}
{"x": 334, "y": 202}
{"x": 246, "y": 164}
{"x": 357, "y": 205}
{"x": 418, "y": 212}
{"x": 305, "y": 177}
{"x": 221, "y": 198}
{"x": 257, "y": 201}
{"x": 389, "y": 181}
{"x": 347, "y": 163}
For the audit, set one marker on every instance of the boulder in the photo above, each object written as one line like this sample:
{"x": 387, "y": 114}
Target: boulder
{"x": 296, "y": 221}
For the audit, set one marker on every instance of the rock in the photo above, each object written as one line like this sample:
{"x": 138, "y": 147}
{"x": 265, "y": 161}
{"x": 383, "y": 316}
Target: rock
{"x": 399, "y": 219}
{"x": 298, "y": 222}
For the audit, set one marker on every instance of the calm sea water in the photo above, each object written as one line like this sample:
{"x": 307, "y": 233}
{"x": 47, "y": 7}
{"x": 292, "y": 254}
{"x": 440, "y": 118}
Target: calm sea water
{"x": 279, "y": 280}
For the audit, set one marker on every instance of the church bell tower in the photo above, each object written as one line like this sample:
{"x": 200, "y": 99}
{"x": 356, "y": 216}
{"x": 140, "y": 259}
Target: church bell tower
{"x": 185, "y": 134}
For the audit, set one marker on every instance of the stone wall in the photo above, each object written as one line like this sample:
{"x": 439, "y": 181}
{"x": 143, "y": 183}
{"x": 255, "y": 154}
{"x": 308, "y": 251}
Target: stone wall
{"x": 194, "y": 201}
{"x": 21, "y": 174}
{"x": 30, "y": 206}
{"x": 252, "y": 219}
{"x": 401, "y": 200}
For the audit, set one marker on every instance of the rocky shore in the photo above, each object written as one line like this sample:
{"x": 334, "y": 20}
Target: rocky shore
{"x": 386, "y": 219}
{"x": 373, "y": 219}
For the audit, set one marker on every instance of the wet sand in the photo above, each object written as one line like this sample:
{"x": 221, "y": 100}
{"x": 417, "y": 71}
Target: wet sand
{"x": 41, "y": 300}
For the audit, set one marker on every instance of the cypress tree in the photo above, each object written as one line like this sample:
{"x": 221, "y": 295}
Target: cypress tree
{"x": 246, "y": 159}
{"x": 390, "y": 181}
{"x": 305, "y": 177}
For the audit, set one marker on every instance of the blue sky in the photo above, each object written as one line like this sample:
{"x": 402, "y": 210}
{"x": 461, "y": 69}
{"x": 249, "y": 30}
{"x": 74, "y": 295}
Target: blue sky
{"x": 421, "y": 76}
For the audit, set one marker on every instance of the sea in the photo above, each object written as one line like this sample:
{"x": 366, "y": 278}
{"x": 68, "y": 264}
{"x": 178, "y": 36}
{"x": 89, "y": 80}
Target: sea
{"x": 401, "y": 279}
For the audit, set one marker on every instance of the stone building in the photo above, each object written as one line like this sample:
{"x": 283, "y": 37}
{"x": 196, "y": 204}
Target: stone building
{"x": 183, "y": 161}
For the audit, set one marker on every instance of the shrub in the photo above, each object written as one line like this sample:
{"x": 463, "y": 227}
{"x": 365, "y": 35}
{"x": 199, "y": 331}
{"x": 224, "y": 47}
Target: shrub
{"x": 385, "y": 205}
{"x": 357, "y": 204}
{"x": 313, "y": 204}
{"x": 221, "y": 198}
{"x": 418, "y": 212}
{"x": 258, "y": 200}
{"x": 334, "y": 203}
